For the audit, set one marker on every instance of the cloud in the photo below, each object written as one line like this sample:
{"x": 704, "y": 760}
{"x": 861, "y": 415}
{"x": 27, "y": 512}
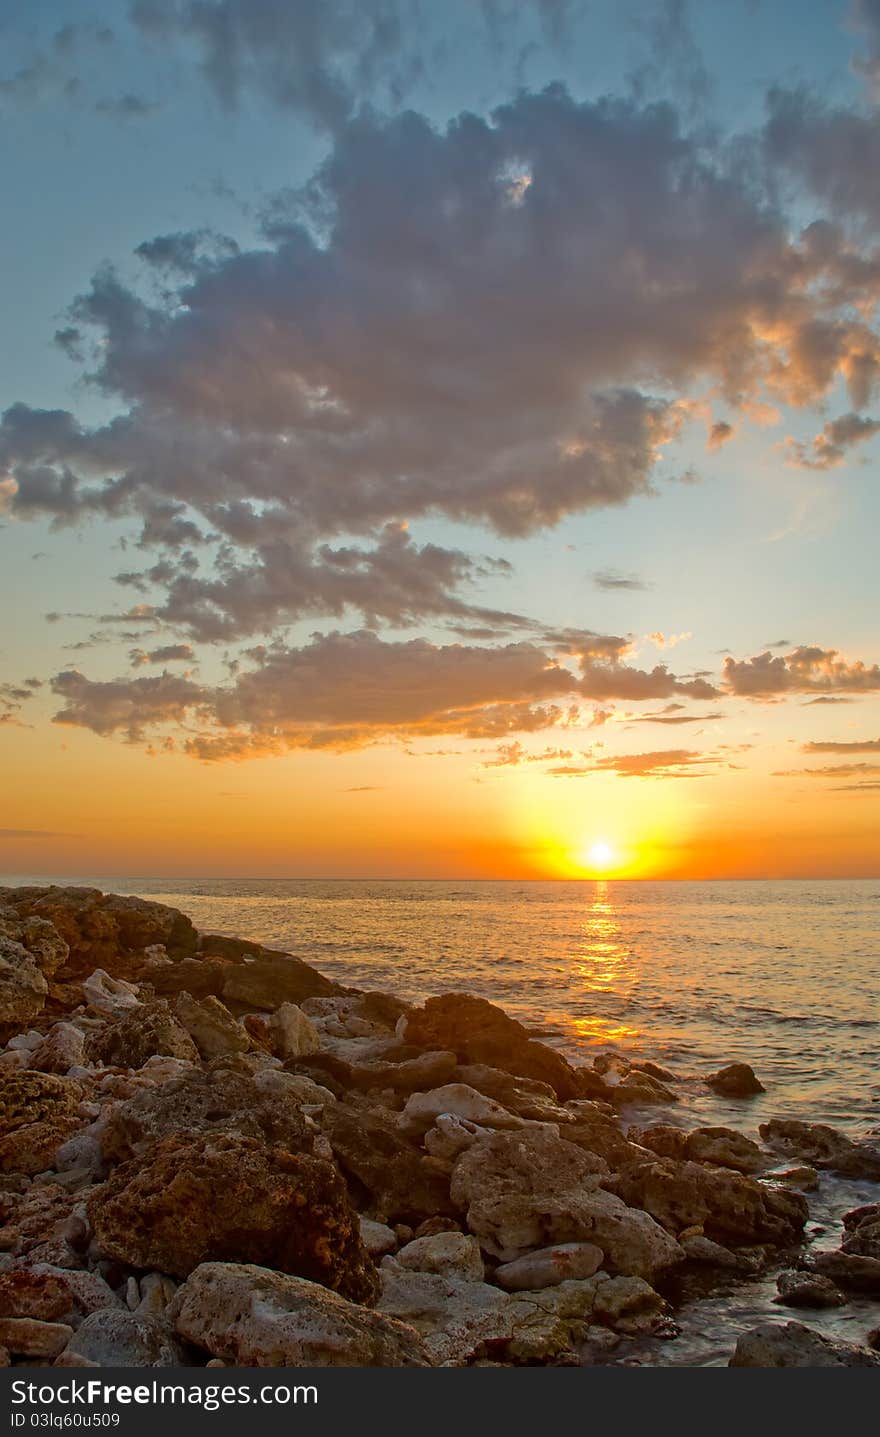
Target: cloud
{"x": 667, "y": 716}
{"x": 838, "y": 770}
{"x": 830, "y": 447}
{"x": 868, "y": 745}
{"x": 345, "y": 690}
{"x": 661, "y": 763}
{"x": 33, "y": 833}
{"x": 806, "y": 668}
{"x": 165, "y": 654}
{"x": 126, "y": 107}
{"x": 611, "y": 579}
{"x": 719, "y": 434}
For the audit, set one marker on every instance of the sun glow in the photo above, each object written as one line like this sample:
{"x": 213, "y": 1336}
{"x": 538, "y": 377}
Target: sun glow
{"x": 600, "y": 855}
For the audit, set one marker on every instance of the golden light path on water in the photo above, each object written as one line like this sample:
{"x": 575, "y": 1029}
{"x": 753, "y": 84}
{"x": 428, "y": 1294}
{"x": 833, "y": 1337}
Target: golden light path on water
{"x": 602, "y": 963}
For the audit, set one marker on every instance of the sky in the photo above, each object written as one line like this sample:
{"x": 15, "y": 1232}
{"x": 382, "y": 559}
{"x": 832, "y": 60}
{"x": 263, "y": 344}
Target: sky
{"x": 440, "y": 441}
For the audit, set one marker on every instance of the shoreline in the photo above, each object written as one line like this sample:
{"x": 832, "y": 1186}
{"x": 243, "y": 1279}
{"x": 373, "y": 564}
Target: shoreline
{"x": 194, "y": 1126}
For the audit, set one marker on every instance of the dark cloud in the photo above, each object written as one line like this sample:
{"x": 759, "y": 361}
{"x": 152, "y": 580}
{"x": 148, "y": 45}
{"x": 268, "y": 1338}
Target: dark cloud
{"x": 127, "y": 107}
{"x": 164, "y": 654}
{"x": 867, "y": 745}
{"x": 661, "y": 763}
{"x": 830, "y": 447}
{"x": 805, "y": 669}
{"x": 612, "y": 579}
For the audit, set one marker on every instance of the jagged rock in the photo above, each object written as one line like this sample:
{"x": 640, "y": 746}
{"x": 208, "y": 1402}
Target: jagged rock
{"x": 458, "y": 1100}
{"x": 849, "y": 1270}
{"x": 200, "y": 1102}
{"x": 661, "y": 1138}
{"x": 210, "y": 1025}
{"x": 52, "y": 1294}
{"x": 109, "y": 932}
{"x": 111, "y": 996}
{"x": 639, "y": 1089}
{"x": 116, "y": 1337}
{"x": 28, "y": 1337}
{"x": 452, "y": 1254}
{"x": 725, "y": 1148}
{"x": 823, "y": 1147}
{"x": 729, "y": 1206}
{"x": 549, "y": 1266}
{"x": 293, "y": 1034}
{"x": 455, "y": 1316}
{"x": 737, "y": 1080}
{"x": 23, "y": 986}
{"x": 40, "y": 938}
{"x": 142, "y": 1033}
{"x": 252, "y": 1317}
{"x": 402, "y": 1184}
{"x": 807, "y": 1289}
{"x": 479, "y": 1032}
{"x": 155, "y": 1292}
{"x": 222, "y": 1197}
{"x": 862, "y": 1231}
{"x": 37, "y": 1112}
{"x": 601, "y": 1135}
{"x": 793, "y": 1345}
{"x": 451, "y": 1134}
{"x": 804, "y": 1179}
{"x": 272, "y": 979}
{"x": 428, "y": 1070}
{"x": 62, "y": 1048}
{"x": 532, "y": 1189}
{"x": 699, "y": 1248}
{"x": 378, "y": 1238}
{"x": 200, "y": 977}
{"x": 523, "y": 1096}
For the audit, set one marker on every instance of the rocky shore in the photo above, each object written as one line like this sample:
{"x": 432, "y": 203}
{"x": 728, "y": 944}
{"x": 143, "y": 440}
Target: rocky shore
{"x": 212, "y": 1154}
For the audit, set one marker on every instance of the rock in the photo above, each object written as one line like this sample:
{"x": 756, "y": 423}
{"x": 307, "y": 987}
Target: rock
{"x": 639, "y": 1089}
{"x": 109, "y": 932}
{"x": 52, "y": 1294}
{"x": 524, "y": 1096}
{"x": 479, "y": 1032}
{"x": 450, "y": 1135}
{"x": 456, "y": 1317}
{"x": 111, "y": 996}
{"x": 727, "y": 1205}
{"x": 28, "y": 1337}
{"x": 601, "y": 1135}
{"x": 529, "y": 1189}
{"x": 452, "y": 1254}
{"x": 862, "y": 1231}
{"x": 272, "y": 979}
{"x": 823, "y": 1147}
{"x": 142, "y": 1033}
{"x": 549, "y": 1266}
{"x": 419, "y": 1074}
{"x": 849, "y": 1270}
{"x": 200, "y": 977}
{"x": 23, "y": 987}
{"x": 252, "y": 1317}
{"x": 701, "y": 1249}
{"x": 38, "y": 1111}
{"x": 725, "y": 1148}
{"x": 458, "y": 1100}
{"x": 210, "y": 1025}
{"x": 119, "y": 1338}
{"x": 37, "y": 936}
{"x": 46, "y": 1224}
{"x": 223, "y": 1197}
{"x": 62, "y": 1048}
{"x": 402, "y": 1184}
{"x": 805, "y": 1179}
{"x": 378, "y": 1238}
{"x": 294, "y": 1035}
{"x": 737, "y": 1080}
{"x": 807, "y": 1289}
{"x": 793, "y": 1345}
{"x": 661, "y": 1138}
{"x": 155, "y": 1292}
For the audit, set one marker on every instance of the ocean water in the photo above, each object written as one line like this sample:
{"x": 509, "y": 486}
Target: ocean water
{"x": 782, "y": 975}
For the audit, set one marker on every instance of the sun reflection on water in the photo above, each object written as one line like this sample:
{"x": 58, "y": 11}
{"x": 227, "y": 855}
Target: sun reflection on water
{"x": 603, "y": 971}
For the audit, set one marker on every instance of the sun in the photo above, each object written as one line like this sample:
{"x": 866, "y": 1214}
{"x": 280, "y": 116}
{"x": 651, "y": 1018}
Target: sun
{"x": 600, "y": 854}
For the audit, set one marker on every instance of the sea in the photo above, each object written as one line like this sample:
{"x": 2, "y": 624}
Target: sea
{"x": 692, "y": 975}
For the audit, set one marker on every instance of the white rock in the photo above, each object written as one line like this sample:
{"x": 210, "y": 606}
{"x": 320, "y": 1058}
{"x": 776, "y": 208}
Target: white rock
{"x": 459, "y": 1100}
{"x": 294, "y": 1033}
{"x": 453, "y": 1254}
{"x": 549, "y": 1266}
{"x": 378, "y": 1238}
{"x": 450, "y": 1136}
{"x": 112, "y": 996}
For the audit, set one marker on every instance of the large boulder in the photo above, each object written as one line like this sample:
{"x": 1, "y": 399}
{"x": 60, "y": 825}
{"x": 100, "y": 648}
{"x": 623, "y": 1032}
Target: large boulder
{"x": 210, "y": 1025}
{"x": 104, "y": 931}
{"x": 532, "y": 1189}
{"x": 119, "y": 1338}
{"x": 457, "y": 1099}
{"x": 862, "y": 1231}
{"x": 52, "y": 1294}
{"x": 792, "y": 1345}
{"x": 729, "y": 1206}
{"x": 222, "y": 1197}
{"x": 549, "y": 1266}
{"x": 202, "y": 1101}
{"x": 823, "y": 1147}
{"x": 736, "y": 1080}
{"x": 479, "y": 1032}
{"x": 807, "y": 1289}
{"x": 272, "y": 979}
{"x": 248, "y": 1316}
{"x": 149, "y": 1030}
{"x": 23, "y": 987}
{"x": 725, "y": 1148}
{"x": 400, "y": 1183}
{"x": 38, "y": 1111}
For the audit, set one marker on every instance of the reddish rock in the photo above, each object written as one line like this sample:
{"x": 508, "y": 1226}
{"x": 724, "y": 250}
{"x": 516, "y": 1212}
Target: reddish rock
{"x": 401, "y": 1184}
{"x": 141, "y": 1034}
{"x": 38, "y": 1112}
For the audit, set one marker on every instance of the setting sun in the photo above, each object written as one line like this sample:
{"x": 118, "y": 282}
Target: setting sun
{"x": 600, "y": 855}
